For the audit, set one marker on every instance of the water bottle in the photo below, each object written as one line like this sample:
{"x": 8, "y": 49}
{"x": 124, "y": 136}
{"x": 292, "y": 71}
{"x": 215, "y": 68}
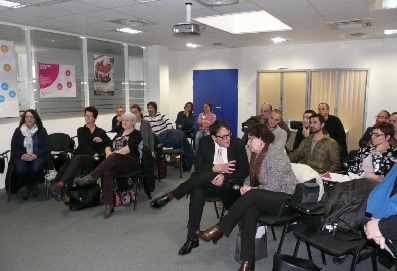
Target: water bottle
{"x": 288, "y": 122}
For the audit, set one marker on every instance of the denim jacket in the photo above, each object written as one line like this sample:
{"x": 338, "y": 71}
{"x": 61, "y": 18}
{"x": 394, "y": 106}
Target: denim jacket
{"x": 381, "y": 162}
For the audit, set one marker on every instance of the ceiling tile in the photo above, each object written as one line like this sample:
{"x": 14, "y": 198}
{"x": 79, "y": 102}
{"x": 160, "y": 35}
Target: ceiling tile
{"x": 75, "y": 7}
{"x": 105, "y": 15}
{"x": 78, "y": 19}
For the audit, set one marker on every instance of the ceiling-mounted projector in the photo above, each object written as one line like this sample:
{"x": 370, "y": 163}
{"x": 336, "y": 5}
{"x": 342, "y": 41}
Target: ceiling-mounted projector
{"x": 188, "y": 28}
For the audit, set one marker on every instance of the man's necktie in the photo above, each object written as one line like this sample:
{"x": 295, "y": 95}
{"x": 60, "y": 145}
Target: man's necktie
{"x": 219, "y": 157}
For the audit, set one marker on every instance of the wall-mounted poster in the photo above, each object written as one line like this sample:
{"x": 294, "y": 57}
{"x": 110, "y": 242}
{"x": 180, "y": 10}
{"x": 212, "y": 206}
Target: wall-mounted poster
{"x": 103, "y": 75}
{"x": 9, "y": 105}
{"x": 57, "y": 80}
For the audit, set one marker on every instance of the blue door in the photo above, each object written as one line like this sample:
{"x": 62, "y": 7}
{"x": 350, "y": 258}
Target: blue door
{"x": 219, "y": 87}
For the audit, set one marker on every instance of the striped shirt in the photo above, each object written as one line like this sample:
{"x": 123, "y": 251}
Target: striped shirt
{"x": 158, "y": 122}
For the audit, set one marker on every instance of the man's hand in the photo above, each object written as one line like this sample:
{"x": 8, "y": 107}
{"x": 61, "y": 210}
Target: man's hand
{"x": 218, "y": 180}
{"x": 372, "y": 231}
{"x": 245, "y": 189}
{"x": 225, "y": 168}
{"x": 305, "y": 131}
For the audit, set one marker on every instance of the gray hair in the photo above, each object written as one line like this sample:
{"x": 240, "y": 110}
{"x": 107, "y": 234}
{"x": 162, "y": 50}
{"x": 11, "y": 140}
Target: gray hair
{"x": 129, "y": 115}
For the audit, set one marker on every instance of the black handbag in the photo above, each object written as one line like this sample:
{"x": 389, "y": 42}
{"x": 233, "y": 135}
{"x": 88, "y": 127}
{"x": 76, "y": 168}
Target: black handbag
{"x": 84, "y": 196}
{"x": 307, "y": 192}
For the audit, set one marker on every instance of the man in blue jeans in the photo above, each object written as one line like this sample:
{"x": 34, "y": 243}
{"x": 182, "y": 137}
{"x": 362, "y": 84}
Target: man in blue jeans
{"x": 169, "y": 137}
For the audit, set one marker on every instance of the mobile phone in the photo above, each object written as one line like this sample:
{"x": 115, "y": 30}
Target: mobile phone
{"x": 389, "y": 247}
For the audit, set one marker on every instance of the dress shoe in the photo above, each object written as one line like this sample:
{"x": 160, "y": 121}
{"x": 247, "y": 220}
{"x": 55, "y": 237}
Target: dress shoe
{"x": 160, "y": 201}
{"x": 212, "y": 234}
{"x": 35, "y": 190}
{"x": 247, "y": 266}
{"x": 188, "y": 246}
{"x": 84, "y": 180}
{"x": 27, "y": 193}
{"x": 109, "y": 209}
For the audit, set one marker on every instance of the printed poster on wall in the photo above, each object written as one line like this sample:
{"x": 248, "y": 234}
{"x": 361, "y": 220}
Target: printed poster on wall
{"x": 9, "y": 105}
{"x": 103, "y": 75}
{"x": 57, "y": 80}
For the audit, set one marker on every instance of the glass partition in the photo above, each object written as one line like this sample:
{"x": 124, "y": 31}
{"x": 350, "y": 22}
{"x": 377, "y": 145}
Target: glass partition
{"x": 57, "y": 74}
{"x": 136, "y": 77}
{"x": 16, "y": 35}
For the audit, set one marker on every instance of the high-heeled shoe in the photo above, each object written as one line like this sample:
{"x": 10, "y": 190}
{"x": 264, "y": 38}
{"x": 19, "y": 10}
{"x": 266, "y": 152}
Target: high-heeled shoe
{"x": 56, "y": 190}
{"x": 212, "y": 234}
{"x": 84, "y": 180}
{"x": 109, "y": 209}
{"x": 247, "y": 266}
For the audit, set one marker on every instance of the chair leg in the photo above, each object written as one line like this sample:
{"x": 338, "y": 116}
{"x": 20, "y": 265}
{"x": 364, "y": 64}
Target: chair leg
{"x": 216, "y": 210}
{"x": 296, "y": 247}
{"x": 8, "y": 176}
{"x": 280, "y": 245}
{"x": 309, "y": 252}
{"x": 374, "y": 261}
{"x": 136, "y": 186}
{"x": 323, "y": 258}
{"x": 274, "y": 234}
{"x": 180, "y": 165}
{"x": 355, "y": 258}
{"x": 223, "y": 212}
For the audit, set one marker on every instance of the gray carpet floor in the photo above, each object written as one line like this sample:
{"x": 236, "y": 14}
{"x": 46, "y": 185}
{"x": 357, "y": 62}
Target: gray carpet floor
{"x": 41, "y": 234}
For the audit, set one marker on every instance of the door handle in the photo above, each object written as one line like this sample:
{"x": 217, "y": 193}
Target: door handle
{"x": 219, "y": 108}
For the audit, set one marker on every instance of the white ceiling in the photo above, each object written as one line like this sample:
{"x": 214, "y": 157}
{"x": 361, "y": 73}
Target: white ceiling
{"x": 306, "y": 17}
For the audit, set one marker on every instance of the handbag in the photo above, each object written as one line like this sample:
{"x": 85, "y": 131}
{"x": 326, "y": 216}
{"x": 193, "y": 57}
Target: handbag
{"x": 307, "y": 192}
{"x": 84, "y": 196}
{"x": 260, "y": 244}
{"x": 123, "y": 198}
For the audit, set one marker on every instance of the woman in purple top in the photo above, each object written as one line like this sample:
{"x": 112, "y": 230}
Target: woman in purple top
{"x": 204, "y": 121}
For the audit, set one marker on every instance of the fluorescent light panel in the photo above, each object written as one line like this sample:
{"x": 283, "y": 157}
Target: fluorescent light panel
{"x": 278, "y": 40}
{"x": 246, "y": 22}
{"x": 193, "y": 45}
{"x": 389, "y": 4}
{"x": 390, "y": 32}
{"x": 10, "y": 4}
{"x": 129, "y": 30}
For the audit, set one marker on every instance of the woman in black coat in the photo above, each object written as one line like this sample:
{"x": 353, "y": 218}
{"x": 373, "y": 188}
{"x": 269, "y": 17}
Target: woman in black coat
{"x": 30, "y": 151}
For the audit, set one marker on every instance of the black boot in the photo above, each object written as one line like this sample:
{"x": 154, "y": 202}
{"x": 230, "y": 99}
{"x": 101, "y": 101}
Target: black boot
{"x": 27, "y": 193}
{"x": 35, "y": 190}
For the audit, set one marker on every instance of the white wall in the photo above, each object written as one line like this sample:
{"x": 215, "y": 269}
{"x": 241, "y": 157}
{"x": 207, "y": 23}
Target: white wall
{"x": 379, "y": 56}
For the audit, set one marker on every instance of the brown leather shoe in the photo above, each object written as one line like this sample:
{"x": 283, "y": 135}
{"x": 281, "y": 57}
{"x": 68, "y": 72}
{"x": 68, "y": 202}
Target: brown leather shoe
{"x": 109, "y": 209}
{"x": 247, "y": 266}
{"x": 84, "y": 180}
{"x": 212, "y": 234}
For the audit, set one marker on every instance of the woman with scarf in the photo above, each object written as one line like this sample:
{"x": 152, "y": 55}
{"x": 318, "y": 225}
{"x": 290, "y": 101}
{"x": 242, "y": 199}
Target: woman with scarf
{"x": 270, "y": 182}
{"x": 30, "y": 151}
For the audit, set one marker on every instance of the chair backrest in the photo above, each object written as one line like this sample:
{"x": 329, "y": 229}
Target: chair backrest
{"x": 59, "y": 142}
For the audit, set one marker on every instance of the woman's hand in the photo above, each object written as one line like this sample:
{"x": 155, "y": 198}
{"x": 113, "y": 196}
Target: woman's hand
{"x": 373, "y": 176}
{"x": 245, "y": 189}
{"x": 29, "y": 156}
{"x": 108, "y": 152}
{"x": 382, "y": 147}
{"x": 179, "y": 126}
{"x": 218, "y": 180}
{"x": 97, "y": 139}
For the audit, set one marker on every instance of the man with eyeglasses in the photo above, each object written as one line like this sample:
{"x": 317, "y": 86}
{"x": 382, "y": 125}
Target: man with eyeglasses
{"x": 393, "y": 120}
{"x": 365, "y": 139}
{"x": 116, "y": 121}
{"x": 319, "y": 151}
{"x": 220, "y": 157}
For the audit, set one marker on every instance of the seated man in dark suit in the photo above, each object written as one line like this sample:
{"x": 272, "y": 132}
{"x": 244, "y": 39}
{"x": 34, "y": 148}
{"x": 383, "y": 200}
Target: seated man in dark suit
{"x": 220, "y": 157}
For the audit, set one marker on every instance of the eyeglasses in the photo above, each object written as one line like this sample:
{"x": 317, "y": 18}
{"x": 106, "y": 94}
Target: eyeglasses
{"x": 29, "y": 117}
{"x": 225, "y": 136}
{"x": 392, "y": 121}
{"x": 380, "y": 117}
{"x": 376, "y": 134}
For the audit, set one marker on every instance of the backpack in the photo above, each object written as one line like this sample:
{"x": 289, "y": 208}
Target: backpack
{"x": 344, "y": 205}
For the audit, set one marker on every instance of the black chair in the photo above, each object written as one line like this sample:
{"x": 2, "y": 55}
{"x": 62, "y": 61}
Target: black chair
{"x": 346, "y": 242}
{"x": 176, "y": 151}
{"x": 284, "y": 220}
{"x": 214, "y": 199}
{"x": 190, "y": 134}
{"x": 60, "y": 146}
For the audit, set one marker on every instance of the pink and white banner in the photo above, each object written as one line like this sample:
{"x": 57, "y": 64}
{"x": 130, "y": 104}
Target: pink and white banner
{"x": 9, "y": 105}
{"x": 103, "y": 75}
{"x": 57, "y": 80}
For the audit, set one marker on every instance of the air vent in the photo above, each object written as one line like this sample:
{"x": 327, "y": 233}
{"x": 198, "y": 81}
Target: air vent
{"x": 217, "y": 44}
{"x": 357, "y": 35}
{"x": 217, "y": 2}
{"x": 359, "y": 23}
{"x": 133, "y": 22}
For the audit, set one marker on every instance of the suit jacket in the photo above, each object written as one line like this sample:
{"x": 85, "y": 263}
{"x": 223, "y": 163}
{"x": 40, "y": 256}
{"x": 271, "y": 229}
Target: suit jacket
{"x": 147, "y": 134}
{"x": 236, "y": 151}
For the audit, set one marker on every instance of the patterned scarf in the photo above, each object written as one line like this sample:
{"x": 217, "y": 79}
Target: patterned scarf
{"x": 28, "y": 134}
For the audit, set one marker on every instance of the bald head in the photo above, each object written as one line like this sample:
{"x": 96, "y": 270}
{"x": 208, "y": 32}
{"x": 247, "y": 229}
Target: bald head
{"x": 265, "y": 111}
